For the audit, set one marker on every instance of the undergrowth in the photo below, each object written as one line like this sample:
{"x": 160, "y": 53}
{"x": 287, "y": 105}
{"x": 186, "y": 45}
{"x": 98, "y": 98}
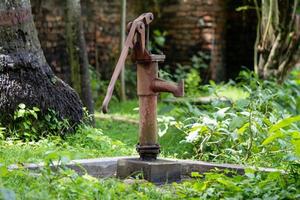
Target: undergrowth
{"x": 66, "y": 184}
{"x": 259, "y": 129}
{"x": 259, "y": 126}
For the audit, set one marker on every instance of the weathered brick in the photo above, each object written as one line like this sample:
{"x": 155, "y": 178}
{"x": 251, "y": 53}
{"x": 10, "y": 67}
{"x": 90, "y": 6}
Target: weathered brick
{"x": 192, "y": 26}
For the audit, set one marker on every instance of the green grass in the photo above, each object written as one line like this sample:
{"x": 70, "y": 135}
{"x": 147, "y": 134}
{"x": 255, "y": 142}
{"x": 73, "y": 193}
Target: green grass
{"x": 87, "y": 142}
{"x": 122, "y": 131}
{"x": 109, "y": 138}
{"x": 126, "y": 109}
{"x": 232, "y": 92}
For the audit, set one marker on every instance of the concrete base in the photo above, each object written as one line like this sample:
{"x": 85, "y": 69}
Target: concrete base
{"x": 97, "y": 167}
{"x": 158, "y": 171}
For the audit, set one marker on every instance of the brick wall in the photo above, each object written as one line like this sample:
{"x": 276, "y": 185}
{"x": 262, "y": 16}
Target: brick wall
{"x": 196, "y": 25}
{"x": 49, "y": 22}
{"x": 101, "y": 25}
{"x": 192, "y": 26}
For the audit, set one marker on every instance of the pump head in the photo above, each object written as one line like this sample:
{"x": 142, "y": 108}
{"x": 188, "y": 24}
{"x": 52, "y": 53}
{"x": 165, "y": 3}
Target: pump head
{"x": 136, "y": 34}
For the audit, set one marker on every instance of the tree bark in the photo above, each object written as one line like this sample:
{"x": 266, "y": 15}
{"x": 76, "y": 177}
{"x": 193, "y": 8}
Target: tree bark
{"x": 278, "y": 40}
{"x": 122, "y": 41}
{"x": 78, "y": 57}
{"x": 25, "y": 76}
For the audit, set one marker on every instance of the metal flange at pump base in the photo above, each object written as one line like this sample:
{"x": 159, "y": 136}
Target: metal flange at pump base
{"x": 149, "y": 85}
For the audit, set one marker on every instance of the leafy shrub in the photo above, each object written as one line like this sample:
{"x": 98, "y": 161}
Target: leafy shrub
{"x": 159, "y": 40}
{"x": 255, "y": 185}
{"x": 30, "y": 124}
{"x": 261, "y": 128}
{"x": 192, "y": 83}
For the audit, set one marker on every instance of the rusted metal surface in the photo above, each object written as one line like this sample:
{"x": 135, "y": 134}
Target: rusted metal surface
{"x": 159, "y": 85}
{"x": 148, "y": 126}
{"x": 148, "y": 85}
{"x": 137, "y": 26}
{"x": 148, "y": 147}
{"x": 146, "y": 73}
{"x": 14, "y": 17}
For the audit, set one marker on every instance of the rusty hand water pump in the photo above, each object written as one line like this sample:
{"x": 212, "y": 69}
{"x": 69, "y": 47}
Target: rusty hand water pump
{"x": 148, "y": 84}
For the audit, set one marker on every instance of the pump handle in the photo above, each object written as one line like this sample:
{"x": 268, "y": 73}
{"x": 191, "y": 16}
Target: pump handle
{"x": 137, "y": 26}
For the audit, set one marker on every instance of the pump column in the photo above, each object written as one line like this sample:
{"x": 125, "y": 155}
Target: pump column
{"x": 147, "y": 72}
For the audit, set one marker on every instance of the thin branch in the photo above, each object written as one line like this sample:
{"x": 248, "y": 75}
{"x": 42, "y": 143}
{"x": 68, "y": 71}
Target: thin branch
{"x": 273, "y": 54}
{"x": 268, "y": 23}
{"x": 293, "y": 16}
{"x": 250, "y": 144}
{"x": 257, "y": 37}
{"x": 290, "y": 60}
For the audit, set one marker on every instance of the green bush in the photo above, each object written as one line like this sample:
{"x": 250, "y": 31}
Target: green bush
{"x": 262, "y": 128}
{"x": 30, "y": 124}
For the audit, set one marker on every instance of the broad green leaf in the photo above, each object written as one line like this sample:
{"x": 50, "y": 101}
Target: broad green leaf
{"x": 267, "y": 121}
{"x": 237, "y": 122}
{"x": 51, "y": 155}
{"x": 33, "y": 113}
{"x": 296, "y": 144}
{"x": 3, "y": 171}
{"x": 296, "y": 135}
{"x": 284, "y": 123}
{"x": 272, "y": 137}
{"x": 243, "y": 128}
{"x": 20, "y": 113}
{"x": 196, "y": 175}
{"x": 199, "y": 186}
{"x": 36, "y": 109}
{"x": 196, "y": 127}
{"x": 221, "y": 112}
{"x": 242, "y": 103}
{"x": 228, "y": 183}
{"x": 22, "y": 106}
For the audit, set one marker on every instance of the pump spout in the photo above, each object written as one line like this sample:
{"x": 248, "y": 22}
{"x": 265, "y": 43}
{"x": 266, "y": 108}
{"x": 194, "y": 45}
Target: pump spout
{"x": 159, "y": 85}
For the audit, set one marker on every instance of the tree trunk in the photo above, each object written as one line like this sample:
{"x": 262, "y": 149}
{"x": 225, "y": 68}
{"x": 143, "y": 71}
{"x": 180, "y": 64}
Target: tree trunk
{"x": 278, "y": 40}
{"x": 122, "y": 41}
{"x": 78, "y": 57}
{"x": 25, "y": 76}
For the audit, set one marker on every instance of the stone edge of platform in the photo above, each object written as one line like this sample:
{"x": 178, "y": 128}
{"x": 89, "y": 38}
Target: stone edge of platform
{"x": 107, "y": 167}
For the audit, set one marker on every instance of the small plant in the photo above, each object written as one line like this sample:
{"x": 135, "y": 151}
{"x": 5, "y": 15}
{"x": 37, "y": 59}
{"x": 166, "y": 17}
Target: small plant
{"x": 2, "y": 132}
{"x": 192, "y": 83}
{"x": 24, "y": 123}
{"x": 29, "y": 124}
{"x": 159, "y": 40}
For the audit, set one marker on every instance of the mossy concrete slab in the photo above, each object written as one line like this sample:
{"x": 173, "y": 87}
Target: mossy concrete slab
{"x": 159, "y": 171}
{"x": 162, "y": 170}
